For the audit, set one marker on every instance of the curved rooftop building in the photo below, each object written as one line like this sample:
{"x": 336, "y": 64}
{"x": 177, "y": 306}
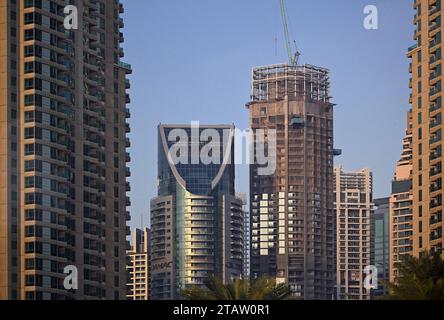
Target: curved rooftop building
{"x": 196, "y": 220}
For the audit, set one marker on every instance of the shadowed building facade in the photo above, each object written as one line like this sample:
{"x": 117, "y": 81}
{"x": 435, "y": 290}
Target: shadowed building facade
{"x": 380, "y": 243}
{"x": 196, "y": 220}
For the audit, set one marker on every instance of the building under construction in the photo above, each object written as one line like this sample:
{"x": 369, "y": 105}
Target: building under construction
{"x": 292, "y": 210}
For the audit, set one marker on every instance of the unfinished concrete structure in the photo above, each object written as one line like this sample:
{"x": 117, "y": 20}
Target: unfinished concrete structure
{"x": 292, "y": 212}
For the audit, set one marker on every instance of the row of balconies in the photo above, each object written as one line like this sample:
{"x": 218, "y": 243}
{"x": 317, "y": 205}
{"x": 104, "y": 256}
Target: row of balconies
{"x": 435, "y": 7}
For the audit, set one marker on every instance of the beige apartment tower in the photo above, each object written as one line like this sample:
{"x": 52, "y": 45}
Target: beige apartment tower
{"x": 354, "y": 208}
{"x": 401, "y": 202}
{"x": 62, "y": 150}
{"x": 138, "y": 266}
{"x": 426, "y": 101}
{"x": 292, "y": 210}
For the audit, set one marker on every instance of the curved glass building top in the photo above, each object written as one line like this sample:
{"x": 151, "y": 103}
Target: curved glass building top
{"x": 198, "y": 158}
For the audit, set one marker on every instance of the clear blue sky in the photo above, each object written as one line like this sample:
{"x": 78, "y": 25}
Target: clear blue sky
{"x": 192, "y": 60}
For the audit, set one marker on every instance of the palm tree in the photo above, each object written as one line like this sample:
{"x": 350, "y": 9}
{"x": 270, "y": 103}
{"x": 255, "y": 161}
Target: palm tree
{"x": 420, "y": 278}
{"x": 238, "y": 289}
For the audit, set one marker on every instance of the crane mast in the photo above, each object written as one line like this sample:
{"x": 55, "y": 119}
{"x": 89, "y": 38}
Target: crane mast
{"x": 293, "y": 59}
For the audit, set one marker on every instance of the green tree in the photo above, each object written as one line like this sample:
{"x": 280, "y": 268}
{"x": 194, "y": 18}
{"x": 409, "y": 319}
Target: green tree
{"x": 238, "y": 289}
{"x": 420, "y": 278}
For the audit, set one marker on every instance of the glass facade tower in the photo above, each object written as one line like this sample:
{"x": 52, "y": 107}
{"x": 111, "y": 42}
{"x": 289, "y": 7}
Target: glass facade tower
{"x": 196, "y": 220}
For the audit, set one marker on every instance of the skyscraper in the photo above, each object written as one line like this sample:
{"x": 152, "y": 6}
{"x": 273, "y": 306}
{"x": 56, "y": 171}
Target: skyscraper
{"x": 354, "y": 207}
{"x": 401, "y": 204}
{"x": 292, "y": 212}
{"x": 380, "y": 243}
{"x": 63, "y": 150}
{"x": 138, "y": 266}
{"x": 427, "y": 126}
{"x": 196, "y": 220}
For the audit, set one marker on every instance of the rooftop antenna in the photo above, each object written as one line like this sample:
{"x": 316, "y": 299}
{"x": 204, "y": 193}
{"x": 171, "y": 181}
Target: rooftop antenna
{"x": 293, "y": 58}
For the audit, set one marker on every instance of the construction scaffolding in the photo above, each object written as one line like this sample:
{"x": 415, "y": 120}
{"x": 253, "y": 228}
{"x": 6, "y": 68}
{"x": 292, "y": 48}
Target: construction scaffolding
{"x": 275, "y": 82}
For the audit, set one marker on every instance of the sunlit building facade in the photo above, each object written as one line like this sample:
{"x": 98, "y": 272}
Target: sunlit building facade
{"x": 63, "y": 150}
{"x": 426, "y": 85}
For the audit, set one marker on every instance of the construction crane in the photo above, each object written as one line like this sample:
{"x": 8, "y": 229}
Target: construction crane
{"x": 293, "y": 59}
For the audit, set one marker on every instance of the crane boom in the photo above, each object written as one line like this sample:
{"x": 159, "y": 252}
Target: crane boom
{"x": 292, "y": 58}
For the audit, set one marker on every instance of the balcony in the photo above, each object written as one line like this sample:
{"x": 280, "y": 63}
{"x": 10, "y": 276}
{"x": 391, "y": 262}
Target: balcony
{"x": 126, "y": 66}
{"x": 121, "y": 52}
{"x": 435, "y": 8}
{"x": 411, "y": 48}
{"x": 436, "y": 202}
{"x": 435, "y": 107}
{"x": 436, "y": 234}
{"x": 436, "y": 218}
{"x": 436, "y": 170}
{"x": 435, "y": 122}
{"x": 436, "y": 89}
{"x": 436, "y": 138}
{"x": 437, "y": 186}
{"x": 436, "y": 40}
{"x": 436, "y": 154}
{"x": 436, "y": 57}
{"x": 436, "y": 73}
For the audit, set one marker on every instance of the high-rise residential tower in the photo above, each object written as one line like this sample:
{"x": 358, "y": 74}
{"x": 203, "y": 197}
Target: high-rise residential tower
{"x": 354, "y": 207}
{"x": 138, "y": 266}
{"x": 196, "y": 220}
{"x": 380, "y": 243}
{"x": 401, "y": 203}
{"x": 292, "y": 212}
{"x": 247, "y": 235}
{"x": 63, "y": 150}
{"x": 427, "y": 126}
